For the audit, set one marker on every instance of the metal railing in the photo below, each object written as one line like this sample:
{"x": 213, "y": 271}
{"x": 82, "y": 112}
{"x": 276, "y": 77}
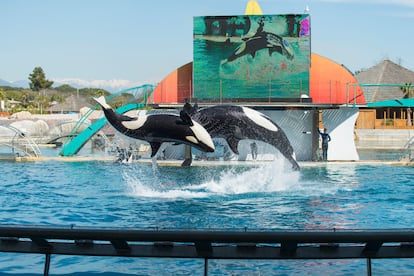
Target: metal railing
{"x": 23, "y": 143}
{"x": 207, "y": 244}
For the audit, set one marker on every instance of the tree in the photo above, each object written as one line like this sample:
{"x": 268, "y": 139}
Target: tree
{"x": 65, "y": 88}
{"x": 2, "y": 96}
{"x": 38, "y": 80}
{"x": 42, "y": 101}
{"x": 408, "y": 90}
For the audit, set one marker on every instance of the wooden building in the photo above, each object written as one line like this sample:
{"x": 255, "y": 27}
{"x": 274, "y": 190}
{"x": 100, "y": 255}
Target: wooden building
{"x": 388, "y": 89}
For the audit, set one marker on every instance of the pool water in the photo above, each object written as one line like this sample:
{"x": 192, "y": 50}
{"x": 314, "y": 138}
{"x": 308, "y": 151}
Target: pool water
{"x": 263, "y": 197}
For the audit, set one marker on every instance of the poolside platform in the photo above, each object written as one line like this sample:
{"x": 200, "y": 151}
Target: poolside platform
{"x": 198, "y": 163}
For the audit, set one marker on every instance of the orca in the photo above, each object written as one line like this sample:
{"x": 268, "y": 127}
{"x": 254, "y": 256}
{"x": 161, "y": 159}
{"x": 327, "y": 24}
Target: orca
{"x": 235, "y": 123}
{"x": 159, "y": 128}
{"x": 264, "y": 40}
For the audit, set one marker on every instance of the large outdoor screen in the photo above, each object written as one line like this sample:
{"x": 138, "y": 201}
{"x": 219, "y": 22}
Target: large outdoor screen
{"x": 251, "y": 57}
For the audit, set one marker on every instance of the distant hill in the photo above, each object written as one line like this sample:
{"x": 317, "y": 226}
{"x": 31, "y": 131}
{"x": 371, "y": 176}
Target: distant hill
{"x": 108, "y": 85}
{"x": 20, "y": 83}
{"x": 4, "y": 83}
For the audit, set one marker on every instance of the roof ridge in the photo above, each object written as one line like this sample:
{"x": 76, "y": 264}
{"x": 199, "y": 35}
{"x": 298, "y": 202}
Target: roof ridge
{"x": 382, "y": 68}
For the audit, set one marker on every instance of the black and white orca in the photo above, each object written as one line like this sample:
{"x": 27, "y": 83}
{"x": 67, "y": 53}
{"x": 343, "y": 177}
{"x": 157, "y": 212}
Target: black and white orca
{"x": 235, "y": 123}
{"x": 272, "y": 42}
{"x": 159, "y": 128}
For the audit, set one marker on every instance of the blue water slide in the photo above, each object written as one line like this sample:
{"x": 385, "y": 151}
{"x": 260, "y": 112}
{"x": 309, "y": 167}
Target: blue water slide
{"x": 76, "y": 144}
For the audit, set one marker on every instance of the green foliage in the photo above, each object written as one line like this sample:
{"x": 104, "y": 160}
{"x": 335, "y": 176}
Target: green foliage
{"x": 408, "y": 90}
{"x": 122, "y": 99}
{"x": 93, "y": 92}
{"x": 57, "y": 98}
{"x": 66, "y": 88}
{"x": 38, "y": 80}
{"x": 37, "y": 102}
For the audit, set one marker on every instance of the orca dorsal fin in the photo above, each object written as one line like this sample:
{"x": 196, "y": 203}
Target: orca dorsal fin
{"x": 233, "y": 144}
{"x": 185, "y": 117}
{"x": 155, "y": 146}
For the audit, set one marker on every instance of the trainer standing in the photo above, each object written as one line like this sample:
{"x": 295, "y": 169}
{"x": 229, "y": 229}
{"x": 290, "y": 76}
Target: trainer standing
{"x": 325, "y": 140}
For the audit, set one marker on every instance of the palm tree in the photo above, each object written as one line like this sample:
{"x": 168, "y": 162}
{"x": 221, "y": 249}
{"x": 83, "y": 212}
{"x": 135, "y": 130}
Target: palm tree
{"x": 2, "y": 95}
{"x": 408, "y": 91}
{"x": 43, "y": 102}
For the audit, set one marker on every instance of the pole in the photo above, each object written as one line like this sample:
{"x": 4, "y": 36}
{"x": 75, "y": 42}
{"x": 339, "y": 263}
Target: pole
{"x": 369, "y": 268}
{"x": 47, "y": 265}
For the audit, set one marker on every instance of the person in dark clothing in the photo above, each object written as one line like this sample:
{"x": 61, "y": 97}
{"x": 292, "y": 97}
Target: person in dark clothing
{"x": 253, "y": 148}
{"x": 325, "y": 140}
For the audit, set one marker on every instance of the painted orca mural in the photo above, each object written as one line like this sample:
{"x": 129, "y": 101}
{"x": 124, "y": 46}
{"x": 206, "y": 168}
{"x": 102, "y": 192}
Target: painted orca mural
{"x": 264, "y": 40}
{"x": 159, "y": 128}
{"x": 235, "y": 123}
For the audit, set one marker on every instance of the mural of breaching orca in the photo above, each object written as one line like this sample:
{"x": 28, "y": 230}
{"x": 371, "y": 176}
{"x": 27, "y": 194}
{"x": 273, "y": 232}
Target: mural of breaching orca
{"x": 263, "y": 40}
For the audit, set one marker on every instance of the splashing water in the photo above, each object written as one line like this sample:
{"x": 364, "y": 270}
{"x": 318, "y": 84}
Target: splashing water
{"x": 271, "y": 177}
{"x": 205, "y": 181}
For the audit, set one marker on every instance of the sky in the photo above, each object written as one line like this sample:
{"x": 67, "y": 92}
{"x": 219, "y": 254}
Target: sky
{"x": 133, "y": 42}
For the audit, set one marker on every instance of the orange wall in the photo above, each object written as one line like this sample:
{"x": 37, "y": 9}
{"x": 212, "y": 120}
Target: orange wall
{"x": 175, "y": 88}
{"x": 330, "y": 83}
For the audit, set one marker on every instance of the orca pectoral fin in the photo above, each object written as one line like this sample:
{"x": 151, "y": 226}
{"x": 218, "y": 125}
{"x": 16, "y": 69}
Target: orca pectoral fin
{"x": 155, "y": 146}
{"x": 233, "y": 144}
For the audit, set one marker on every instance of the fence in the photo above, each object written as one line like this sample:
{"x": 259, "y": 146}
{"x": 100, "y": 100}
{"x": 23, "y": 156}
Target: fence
{"x": 207, "y": 244}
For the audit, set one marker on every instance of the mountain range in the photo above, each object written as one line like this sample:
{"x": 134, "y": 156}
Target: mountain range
{"x": 20, "y": 83}
{"x": 108, "y": 85}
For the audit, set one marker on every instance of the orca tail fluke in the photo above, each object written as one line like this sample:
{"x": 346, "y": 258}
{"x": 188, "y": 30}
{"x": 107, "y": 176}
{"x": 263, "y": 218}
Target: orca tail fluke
{"x": 102, "y": 102}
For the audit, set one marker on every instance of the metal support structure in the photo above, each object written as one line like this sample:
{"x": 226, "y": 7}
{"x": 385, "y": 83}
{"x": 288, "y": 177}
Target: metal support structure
{"x": 76, "y": 141}
{"x": 205, "y": 267}
{"x": 208, "y": 244}
{"x": 21, "y": 142}
{"x": 47, "y": 265}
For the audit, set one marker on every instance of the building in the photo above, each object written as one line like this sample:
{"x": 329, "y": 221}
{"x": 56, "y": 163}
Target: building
{"x": 388, "y": 89}
{"x": 327, "y": 97}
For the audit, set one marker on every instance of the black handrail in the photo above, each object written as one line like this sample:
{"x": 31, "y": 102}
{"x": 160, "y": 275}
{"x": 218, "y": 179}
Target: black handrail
{"x": 207, "y": 244}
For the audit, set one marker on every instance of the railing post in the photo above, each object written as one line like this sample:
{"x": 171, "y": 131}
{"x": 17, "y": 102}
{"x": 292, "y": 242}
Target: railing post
{"x": 47, "y": 265}
{"x": 205, "y": 266}
{"x": 369, "y": 268}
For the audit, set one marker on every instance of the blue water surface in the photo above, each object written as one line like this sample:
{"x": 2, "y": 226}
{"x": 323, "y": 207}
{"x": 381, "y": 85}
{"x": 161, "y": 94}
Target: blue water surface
{"x": 268, "y": 196}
